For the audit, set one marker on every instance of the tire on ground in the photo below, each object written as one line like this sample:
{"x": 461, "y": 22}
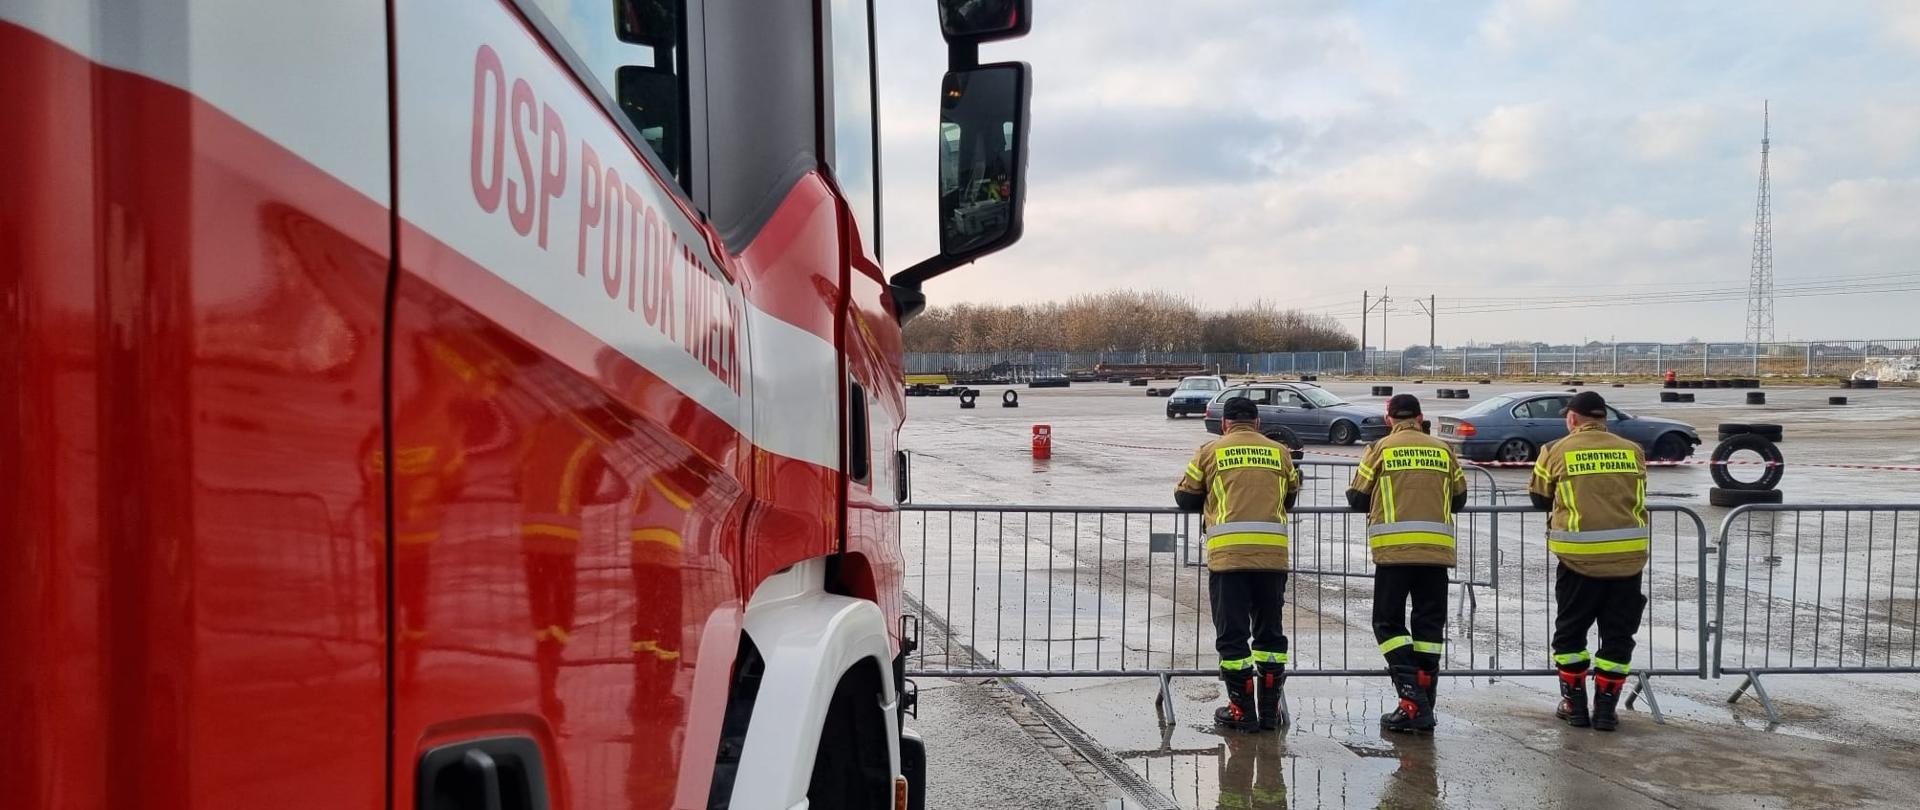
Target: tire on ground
{"x": 1747, "y": 442}
{"x": 1741, "y": 497}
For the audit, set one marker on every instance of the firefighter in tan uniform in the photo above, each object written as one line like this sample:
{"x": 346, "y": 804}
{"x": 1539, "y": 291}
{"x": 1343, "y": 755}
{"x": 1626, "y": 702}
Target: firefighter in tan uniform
{"x": 1243, "y": 484}
{"x": 1596, "y": 485}
{"x": 1409, "y": 484}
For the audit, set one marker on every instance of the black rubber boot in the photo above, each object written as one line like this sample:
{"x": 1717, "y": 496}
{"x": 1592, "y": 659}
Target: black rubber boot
{"x": 1606, "y": 696}
{"x": 1239, "y": 714}
{"x": 1273, "y": 682}
{"x": 1573, "y": 699}
{"x": 1415, "y": 713}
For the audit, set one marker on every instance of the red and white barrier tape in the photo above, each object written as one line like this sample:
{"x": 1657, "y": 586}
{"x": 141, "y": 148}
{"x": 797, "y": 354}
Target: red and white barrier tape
{"x": 1525, "y": 464}
{"x": 1692, "y": 462}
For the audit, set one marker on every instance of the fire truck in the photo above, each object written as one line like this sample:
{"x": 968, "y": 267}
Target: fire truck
{"x": 464, "y": 403}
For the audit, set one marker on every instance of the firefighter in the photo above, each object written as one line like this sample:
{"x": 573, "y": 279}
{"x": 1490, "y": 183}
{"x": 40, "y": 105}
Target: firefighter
{"x": 1596, "y": 485}
{"x": 1409, "y": 484}
{"x": 1243, "y": 484}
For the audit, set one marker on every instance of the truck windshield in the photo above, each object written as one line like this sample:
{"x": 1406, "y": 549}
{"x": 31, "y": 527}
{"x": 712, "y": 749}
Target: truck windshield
{"x": 1320, "y": 398}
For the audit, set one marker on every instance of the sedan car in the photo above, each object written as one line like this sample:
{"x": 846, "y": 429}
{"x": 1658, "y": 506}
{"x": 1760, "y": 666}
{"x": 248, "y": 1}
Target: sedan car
{"x": 1513, "y": 427}
{"x": 1192, "y": 394}
{"x": 1292, "y": 413}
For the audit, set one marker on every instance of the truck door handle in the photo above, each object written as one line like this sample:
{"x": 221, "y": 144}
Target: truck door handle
{"x": 482, "y": 777}
{"x": 497, "y": 773}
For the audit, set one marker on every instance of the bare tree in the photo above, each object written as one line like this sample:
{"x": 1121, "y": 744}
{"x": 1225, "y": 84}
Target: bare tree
{"x": 1123, "y": 321}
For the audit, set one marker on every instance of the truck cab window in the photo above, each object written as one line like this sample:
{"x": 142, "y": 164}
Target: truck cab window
{"x": 635, "y": 53}
{"x": 852, "y": 136}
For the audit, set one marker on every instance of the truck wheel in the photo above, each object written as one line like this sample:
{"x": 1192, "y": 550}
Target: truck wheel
{"x": 852, "y": 768}
{"x": 1343, "y": 433}
{"x": 1741, "y": 497}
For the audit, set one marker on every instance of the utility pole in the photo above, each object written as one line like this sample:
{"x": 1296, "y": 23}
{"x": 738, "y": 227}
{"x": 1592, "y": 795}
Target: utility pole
{"x": 1428, "y": 307}
{"x": 1384, "y": 301}
{"x": 1367, "y": 309}
{"x": 1364, "y": 311}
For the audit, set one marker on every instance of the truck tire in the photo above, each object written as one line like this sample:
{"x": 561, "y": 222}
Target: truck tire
{"x": 852, "y": 768}
{"x": 1741, "y": 497}
{"x": 1769, "y": 479}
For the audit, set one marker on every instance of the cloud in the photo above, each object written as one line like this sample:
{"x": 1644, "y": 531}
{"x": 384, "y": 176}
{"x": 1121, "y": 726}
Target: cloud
{"x": 1303, "y": 152}
{"x": 1903, "y": 22}
{"x": 1676, "y": 133}
{"x": 1512, "y": 21}
{"x": 1509, "y": 147}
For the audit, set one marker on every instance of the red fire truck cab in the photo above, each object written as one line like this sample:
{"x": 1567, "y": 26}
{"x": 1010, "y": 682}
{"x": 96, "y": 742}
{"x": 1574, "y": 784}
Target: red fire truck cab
{"x": 463, "y": 403}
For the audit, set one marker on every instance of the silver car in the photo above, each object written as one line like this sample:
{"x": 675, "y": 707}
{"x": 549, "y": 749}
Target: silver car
{"x": 1293, "y": 413}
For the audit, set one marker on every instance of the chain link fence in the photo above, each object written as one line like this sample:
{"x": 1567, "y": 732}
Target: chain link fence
{"x": 1802, "y": 359}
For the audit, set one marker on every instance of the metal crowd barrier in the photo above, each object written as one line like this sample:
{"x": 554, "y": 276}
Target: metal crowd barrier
{"x": 1324, "y": 483}
{"x": 1069, "y": 591}
{"x": 1817, "y": 589}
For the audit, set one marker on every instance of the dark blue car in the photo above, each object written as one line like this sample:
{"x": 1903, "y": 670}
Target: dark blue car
{"x": 1513, "y": 428}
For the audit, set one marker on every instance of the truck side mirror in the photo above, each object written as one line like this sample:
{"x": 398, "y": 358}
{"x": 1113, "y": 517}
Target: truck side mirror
{"x": 983, "y": 167}
{"x": 977, "y": 21}
{"x": 982, "y": 159}
{"x": 653, "y": 23}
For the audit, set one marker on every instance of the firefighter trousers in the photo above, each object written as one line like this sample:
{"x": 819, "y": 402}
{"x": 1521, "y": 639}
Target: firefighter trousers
{"x": 1426, "y": 586}
{"x": 1616, "y": 604}
{"x": 1246, "y": 608}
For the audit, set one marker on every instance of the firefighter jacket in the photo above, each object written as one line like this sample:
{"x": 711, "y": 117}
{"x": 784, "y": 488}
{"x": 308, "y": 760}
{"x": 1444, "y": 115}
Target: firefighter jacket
{"x": 1243, "y": 483}
{"x": 1597, "y": 483}
{"x": 1413, "y": 483}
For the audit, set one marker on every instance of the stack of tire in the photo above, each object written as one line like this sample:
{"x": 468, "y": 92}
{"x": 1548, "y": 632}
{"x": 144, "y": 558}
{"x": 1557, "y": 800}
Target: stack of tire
{"x": 1759, "y": 438}
{"x": 1383, "y": 390}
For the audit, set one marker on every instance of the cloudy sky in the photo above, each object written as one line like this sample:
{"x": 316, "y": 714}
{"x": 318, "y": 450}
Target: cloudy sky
{"x": 1599, "y": 156}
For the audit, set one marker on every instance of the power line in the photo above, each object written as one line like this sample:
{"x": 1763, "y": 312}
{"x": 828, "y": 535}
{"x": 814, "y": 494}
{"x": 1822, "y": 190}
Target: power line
{"x": 1905, "y": 282}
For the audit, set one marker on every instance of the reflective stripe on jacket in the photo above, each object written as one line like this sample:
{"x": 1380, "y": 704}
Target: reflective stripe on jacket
{"x": 1598, "y": 484}
{"x": 1412, "y": 478}
{"x": 1246, "y": 478}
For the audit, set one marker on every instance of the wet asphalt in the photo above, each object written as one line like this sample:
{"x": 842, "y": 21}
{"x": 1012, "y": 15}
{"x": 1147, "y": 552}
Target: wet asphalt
{"x": 1844, "y": 741}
